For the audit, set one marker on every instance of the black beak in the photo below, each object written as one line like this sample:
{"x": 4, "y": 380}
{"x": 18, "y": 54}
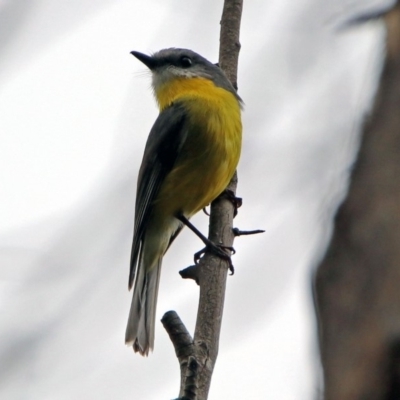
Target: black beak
{"x": 148, "y": 61}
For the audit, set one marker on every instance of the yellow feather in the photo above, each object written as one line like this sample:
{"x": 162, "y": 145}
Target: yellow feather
{"x": 208, "y": 159}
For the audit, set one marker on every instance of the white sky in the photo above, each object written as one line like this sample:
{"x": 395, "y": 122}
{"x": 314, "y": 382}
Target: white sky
{"x": 75, "y": 111}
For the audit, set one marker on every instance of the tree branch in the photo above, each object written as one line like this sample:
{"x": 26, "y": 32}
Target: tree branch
{"x": 197, "y": 358}
{"x": 182, "y": 341}
{"x": 229, "y": 44}
{"x": 212, "y": 280}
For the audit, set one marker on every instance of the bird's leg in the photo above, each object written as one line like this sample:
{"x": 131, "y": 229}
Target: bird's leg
{"x": 217, "y": 249}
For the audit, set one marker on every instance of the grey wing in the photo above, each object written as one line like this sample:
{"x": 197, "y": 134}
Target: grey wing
{"x": 163, "y": 144}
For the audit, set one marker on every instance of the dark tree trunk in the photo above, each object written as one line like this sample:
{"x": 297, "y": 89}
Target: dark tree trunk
{"x": 358, "y": 282}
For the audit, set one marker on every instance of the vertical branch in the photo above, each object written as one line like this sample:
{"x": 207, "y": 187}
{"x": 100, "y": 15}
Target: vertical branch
{"x": 213, "y": 271}
{"x": 197, "y": 358}
{"x": 357, "y": 283}
{"x": 229, "y": 44}
{"x": 212, "y": 280}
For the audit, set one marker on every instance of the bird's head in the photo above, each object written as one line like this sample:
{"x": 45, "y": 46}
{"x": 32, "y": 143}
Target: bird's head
{"x": 168, "y": 65}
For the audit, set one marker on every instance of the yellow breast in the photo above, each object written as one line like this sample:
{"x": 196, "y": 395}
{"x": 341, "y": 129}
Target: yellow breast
{"x": 210, "y": 155}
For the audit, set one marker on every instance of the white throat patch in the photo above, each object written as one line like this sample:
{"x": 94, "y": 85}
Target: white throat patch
{"x": 163, "y": 75}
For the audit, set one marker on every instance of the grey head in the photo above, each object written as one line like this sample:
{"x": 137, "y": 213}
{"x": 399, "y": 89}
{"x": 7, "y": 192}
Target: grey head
{"x": 168, "y": 64}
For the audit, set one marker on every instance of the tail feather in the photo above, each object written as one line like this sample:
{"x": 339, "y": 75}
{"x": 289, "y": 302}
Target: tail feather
{"x": 141, "y": 322}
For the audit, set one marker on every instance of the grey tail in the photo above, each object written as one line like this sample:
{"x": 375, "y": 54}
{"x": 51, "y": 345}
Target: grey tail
{"x": 141, "y": 323}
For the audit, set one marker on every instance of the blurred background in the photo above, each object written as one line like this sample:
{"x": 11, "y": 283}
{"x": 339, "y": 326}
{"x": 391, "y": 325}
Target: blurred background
{"x": 75, "y": 112}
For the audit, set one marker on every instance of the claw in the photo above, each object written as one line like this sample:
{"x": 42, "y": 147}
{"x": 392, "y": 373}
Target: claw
{"x": 210, "y": 246}
{"x": 217, "y": 250}
{"x": 198, "y": 255}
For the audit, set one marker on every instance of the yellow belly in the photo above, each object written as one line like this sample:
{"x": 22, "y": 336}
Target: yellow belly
{"x": 208, "y": 159}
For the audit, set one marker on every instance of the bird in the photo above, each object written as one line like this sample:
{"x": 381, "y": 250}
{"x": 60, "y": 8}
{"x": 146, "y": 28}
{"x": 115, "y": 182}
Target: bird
{"x": 190, "y": 156}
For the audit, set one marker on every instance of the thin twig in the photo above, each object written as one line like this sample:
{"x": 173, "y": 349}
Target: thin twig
{"x": 238, "y": 232}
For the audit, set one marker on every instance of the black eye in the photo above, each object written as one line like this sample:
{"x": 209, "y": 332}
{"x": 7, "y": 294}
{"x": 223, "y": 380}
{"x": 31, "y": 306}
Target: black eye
{"x": 186, "y": 62}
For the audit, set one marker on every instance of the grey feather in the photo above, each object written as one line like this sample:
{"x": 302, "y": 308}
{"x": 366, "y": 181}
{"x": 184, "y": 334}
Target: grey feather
{"x": 141, "y": 322}
{"x": 165, "y": 139}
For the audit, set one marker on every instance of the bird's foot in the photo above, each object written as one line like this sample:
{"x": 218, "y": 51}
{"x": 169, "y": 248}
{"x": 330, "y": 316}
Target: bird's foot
{"x": 219, "y": 251}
